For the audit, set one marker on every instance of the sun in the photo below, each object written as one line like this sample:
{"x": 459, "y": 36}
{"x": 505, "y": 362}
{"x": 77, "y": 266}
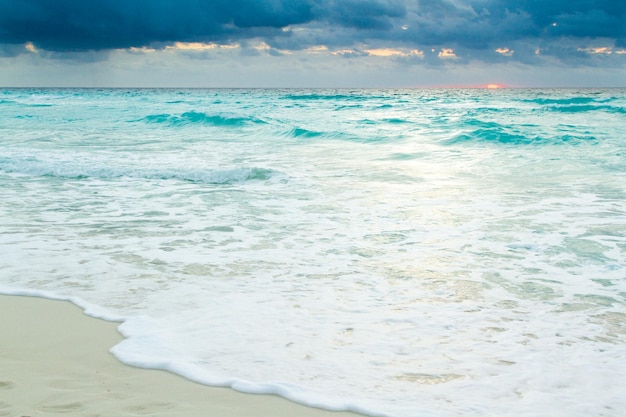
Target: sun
{"x": 494, "y": 86}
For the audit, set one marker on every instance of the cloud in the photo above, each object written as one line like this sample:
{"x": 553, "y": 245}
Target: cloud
{"x": 505, "y": 51}
{"x": 473, "y": 29}
{"x": 11, "y": 51}
{"x": 447, "y": 53}
{"x": 78, "y": 25}
{"x": 362, "y": 14}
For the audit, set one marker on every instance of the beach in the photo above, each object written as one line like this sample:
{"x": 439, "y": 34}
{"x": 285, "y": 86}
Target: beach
{"x": 55, "y": 360}
{"x": 399, "y": 253}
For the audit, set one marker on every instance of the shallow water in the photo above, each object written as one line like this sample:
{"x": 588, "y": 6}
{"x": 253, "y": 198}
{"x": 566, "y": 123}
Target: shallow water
{"x": 395, "y": 252}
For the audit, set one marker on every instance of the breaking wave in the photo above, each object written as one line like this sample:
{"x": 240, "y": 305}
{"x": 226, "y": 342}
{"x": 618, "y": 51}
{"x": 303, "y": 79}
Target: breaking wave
{"x": 199, "y": 118}
{"x": 584, "y": 108}
{"x": 70, "y": 170}
{"x": 477, "y": 131}
{"x": 578, "y": 104}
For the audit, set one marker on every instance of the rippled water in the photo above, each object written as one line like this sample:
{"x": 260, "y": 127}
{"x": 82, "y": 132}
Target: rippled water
{"x": 396, "y": 252}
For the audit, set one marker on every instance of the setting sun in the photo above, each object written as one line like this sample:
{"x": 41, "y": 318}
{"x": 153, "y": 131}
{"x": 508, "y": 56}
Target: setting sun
{"x": 494, "y": 86}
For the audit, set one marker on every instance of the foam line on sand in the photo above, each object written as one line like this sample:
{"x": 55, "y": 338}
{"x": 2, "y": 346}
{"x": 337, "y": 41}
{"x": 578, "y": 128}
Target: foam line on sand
{"x": 54, "y": 360}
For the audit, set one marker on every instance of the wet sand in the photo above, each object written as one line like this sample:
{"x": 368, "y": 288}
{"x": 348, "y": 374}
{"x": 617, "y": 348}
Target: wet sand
{"x": 55, "y": 360}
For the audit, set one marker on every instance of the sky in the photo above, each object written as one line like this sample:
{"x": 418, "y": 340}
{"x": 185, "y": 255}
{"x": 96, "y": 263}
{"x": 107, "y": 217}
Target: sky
{"x": 313, "y": 43}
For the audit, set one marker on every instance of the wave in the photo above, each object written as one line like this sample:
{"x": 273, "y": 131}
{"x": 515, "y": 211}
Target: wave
{"x": 302, "y": 133}
{"x": 582, "y": 108}
{"x": 489, "y": 135}
{"x": 305, "y": 133}
{"x": 348, "y": 107}
{"x": 481, "y": 131}
{"x": 577, "y": 104}
{"x": 333, "y": 97}
{"x": 561, "y": 101}
{"x": 329, "y": 97}
{"x": 21, "y": 104}
{"x": 68, "y": 170}
{"x": 199, "y": 118}
{"x": 395, "y": 121}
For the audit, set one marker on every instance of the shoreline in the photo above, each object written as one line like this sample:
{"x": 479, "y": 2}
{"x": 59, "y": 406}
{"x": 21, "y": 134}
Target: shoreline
{"x": 55, "y": 359}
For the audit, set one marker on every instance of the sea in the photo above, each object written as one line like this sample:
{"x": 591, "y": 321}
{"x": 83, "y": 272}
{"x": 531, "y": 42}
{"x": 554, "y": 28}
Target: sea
{"x": 397, "y": 253}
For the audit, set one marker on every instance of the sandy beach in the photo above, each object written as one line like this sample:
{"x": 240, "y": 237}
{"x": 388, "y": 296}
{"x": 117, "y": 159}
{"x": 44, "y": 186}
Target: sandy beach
{"x": 55, "y": 360}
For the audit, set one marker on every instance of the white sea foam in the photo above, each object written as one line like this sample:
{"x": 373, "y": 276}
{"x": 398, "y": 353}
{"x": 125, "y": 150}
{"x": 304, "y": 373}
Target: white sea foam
{"x": 428, "y": 253}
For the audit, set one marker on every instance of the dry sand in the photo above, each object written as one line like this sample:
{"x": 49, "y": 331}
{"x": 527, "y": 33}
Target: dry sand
{"x": 55, "y": 360}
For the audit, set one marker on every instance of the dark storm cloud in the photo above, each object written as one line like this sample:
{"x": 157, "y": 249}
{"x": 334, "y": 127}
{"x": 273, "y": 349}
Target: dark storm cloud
{"x": 580, "y": 18}
{"x": 468, "y": 25}
{"x": 362, "y": 14}
{"x": 71, "y": 25}
{"x": 532, "y": 28}
{"x": 474, "y": 22}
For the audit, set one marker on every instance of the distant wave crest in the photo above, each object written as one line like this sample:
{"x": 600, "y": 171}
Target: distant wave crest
{"x": 584, "y": 108}
{"x": 577, "y": 105}
{"x": 329, "y": 97}
{"x": 21, "y": 103}
{"x": 200, "y": 118}
{"x": 561, "y": 101}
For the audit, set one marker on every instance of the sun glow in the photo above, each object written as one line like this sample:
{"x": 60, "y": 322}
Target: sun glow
{"x": 603, "y": 50}
{"x": 387, "y": 52}
{"x": 199, "y": 46}
{"x": 30, "y": 47}
{"x": 447, "y": 53}
{"x": 505, "y": 51}
{"x": 318, "y": 49}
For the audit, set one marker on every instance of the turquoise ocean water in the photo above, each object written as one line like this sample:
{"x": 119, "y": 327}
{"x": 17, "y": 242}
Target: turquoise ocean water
{"x": 400, "y": 253}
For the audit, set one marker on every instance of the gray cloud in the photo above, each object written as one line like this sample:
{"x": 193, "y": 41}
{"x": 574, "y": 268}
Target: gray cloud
{"x": 474, "y": 28}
